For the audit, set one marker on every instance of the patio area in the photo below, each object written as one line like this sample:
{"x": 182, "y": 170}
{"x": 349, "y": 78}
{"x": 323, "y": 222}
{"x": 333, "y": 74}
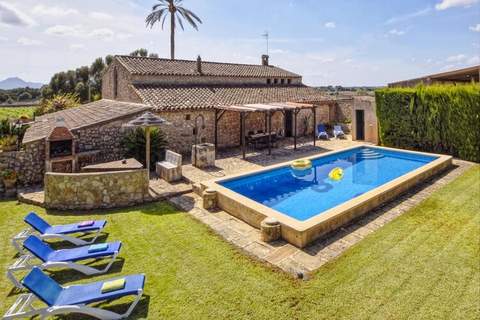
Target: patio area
{"x": 230, "y": 161}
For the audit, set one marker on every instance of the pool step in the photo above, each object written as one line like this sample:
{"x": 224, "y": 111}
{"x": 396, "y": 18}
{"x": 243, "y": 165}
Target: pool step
{"x": 368, "y": 154}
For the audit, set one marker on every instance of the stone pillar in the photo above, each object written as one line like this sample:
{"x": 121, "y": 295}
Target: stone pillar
{"x": 270, "y": 229}
{"x": 209, "y": 199}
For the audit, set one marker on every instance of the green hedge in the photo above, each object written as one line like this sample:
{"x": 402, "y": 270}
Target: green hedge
{"x": 439, "y": 118}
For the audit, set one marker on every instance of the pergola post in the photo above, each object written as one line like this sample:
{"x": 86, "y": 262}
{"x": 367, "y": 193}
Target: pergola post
{"x": 242, "y": 132}
{"x": 265, "y": 122}
{"x": 216, "y": 131}
{"x": 314, "y": 111}
{"x": 295, "y": 113}
{"x": 269, "y": 115}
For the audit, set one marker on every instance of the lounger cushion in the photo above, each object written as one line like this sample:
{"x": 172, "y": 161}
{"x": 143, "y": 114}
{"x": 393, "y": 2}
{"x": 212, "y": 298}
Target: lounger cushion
{"x": 88, "y": 293}
{"x": 81, "y": 253}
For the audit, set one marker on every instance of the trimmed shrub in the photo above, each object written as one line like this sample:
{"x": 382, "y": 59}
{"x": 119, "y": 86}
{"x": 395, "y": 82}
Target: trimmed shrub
{"x": 438, "y": 118}
{"x": 134, "y": 142}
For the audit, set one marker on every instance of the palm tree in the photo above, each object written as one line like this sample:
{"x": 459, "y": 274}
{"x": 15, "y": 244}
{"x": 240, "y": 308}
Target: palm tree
{"x": 161, "y": 11}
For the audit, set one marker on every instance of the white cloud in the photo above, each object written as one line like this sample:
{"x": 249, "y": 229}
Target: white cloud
{"x": 3, "y": 38}
{"x": 456, "y": 58}
{"x": 475, "y": 28}
{"x": 396, "y": 32}
{"x": 409, "y": 16}
{"x": 41, "y": 10}
{"x": 330, "y": 25}
{"x": 102, "y": 33}
{"x": 11, "y": 16}
{"x": 446, "y": 4}
{"x": 63, "y": 30}
{"x": 24, "y": 41}
{"x": 100, "y": 15}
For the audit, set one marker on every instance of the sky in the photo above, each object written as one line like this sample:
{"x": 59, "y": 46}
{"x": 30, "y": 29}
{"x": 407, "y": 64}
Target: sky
{"x": 343, "y": 42}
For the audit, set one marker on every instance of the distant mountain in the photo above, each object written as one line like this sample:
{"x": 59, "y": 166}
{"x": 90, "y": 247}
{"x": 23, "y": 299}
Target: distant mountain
{"x": 15, "y": 82}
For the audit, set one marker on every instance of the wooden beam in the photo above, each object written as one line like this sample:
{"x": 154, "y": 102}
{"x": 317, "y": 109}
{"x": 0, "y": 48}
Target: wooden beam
{"x": 242, "y": 122}
{"x": 295, "y": 113}
{"x": 314, "y": 111}
{"x": 269, "y": 132}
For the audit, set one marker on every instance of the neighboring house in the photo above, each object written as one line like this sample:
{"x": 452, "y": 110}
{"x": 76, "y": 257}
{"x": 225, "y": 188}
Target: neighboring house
{"x": 459, "y": 76}
{"x": 179, "y": 91}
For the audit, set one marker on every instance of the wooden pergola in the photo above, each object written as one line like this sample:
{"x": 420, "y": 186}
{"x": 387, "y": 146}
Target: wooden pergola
{"x": 269, "y": 110}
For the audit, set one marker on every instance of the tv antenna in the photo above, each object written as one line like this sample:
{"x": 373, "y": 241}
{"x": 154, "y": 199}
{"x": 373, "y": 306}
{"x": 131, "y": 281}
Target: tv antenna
{"x": 266, "y": 35}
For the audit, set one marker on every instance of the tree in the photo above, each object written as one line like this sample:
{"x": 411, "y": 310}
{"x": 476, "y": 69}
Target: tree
{"x": 139, "y": 53}
{"x": 177, "y": 12}
{"x": 134, "y": 143}
{"x": 57, "y": 103}
{"x": 24, "y": 96}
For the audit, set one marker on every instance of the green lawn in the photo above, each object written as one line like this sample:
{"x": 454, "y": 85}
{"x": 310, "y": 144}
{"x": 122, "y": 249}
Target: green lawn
{"x": 423, "y": 265}
{"x": 16, "y": 112}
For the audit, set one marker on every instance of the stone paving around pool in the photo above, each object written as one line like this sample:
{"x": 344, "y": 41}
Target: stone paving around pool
{"x": 302, "y": 262}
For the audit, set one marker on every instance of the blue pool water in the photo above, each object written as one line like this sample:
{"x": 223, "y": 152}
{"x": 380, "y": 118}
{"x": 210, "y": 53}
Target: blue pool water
{"x": 302, "y": 196}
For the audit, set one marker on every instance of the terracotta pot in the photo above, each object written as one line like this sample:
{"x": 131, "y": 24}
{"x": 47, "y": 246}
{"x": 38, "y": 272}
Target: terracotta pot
{"x": 9, "y": 183}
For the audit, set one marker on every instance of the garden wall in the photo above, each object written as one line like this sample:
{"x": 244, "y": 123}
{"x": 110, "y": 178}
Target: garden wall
{"x": 29, "y": 163}
{"x": 85, "y": 191}
{"x": 439, "y": 118}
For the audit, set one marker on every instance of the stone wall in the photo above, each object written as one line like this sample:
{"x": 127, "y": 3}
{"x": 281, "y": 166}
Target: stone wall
{"x": 86, "y": 191}
{"x": 125, "y": 91}
{"x": 29, "y": 163}
{"x": 101, "y": 143}
{"x": 344, "y": 109}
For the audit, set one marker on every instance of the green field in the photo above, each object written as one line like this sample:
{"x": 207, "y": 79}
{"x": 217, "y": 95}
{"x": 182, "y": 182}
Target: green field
{"x": 423, "y": 265}
{"x": 15, "y": 112}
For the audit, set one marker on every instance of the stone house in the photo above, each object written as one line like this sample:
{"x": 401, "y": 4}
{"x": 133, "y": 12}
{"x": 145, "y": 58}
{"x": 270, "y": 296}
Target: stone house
{"x": 179, "y": 91}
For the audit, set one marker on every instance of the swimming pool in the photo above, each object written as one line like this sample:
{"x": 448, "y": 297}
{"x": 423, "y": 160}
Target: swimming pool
{"x": 302, "y": 195}
{"x": 309, "y": 203}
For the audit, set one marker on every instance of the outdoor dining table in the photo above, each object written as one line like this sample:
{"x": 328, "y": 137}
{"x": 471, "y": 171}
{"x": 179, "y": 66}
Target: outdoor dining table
{"x": 261, "y": 139}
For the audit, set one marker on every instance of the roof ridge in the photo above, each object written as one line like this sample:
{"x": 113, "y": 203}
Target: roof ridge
{"x": 203, "y": 61}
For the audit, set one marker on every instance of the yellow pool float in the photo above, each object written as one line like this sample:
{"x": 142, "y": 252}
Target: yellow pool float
{"x": 301, "y": 164}
{"x": 336, "y": 174}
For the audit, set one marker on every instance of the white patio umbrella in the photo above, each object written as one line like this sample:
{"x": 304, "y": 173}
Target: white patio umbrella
{"x": 147, "y": 120}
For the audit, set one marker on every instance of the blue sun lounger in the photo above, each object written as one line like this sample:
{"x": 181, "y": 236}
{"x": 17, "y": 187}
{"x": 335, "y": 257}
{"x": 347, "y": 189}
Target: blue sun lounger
{"x": 63, "y": 232}
{"x": 72, "y": 299}
{"x": 338, "y": 132}
{"x": 65, "y": 258}
{"x": 322, "y": 132}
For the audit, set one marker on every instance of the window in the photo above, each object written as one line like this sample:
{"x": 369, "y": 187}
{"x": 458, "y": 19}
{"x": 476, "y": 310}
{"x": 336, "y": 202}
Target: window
{"x": 269, "y": 81}
{"x": 275, "y": 81}
{"x": 282, "y": 81}
{"x": 289, "y": 81}
{"x": 187, "y": 117}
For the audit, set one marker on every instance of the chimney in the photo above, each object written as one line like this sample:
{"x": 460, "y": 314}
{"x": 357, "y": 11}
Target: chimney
{"x": 199, "y": 64}
{"x": 265, "y": 60}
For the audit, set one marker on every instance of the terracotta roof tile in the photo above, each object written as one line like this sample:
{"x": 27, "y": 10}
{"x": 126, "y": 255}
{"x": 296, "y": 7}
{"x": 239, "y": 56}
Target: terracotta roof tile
{"x": 157, "y": 66}
{"x": 204, "y": 97}
{"x": 82, "y": 116}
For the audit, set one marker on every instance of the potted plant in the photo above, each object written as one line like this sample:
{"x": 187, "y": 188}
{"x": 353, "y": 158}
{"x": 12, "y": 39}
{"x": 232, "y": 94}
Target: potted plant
{"x": 8, "y": 143}
{"x": 9, "y": 178}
